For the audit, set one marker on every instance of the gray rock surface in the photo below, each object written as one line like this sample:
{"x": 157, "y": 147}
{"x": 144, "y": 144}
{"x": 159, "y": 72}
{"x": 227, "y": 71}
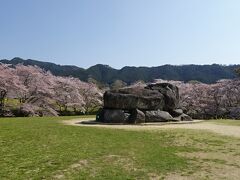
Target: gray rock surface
{"x": 113, "y": 116}
{"x": 176, "y": 112}
{"x": 134, "y": 98}
{"x": 163, "y": 96}
{"x": 170, "y": 93}
{"x": 158, "y": 116}
{"x": 235, "y": 113}
{"x": 183, "y": 117}
{"x": 152, "y": 103}
{"x": 136, "y": 117}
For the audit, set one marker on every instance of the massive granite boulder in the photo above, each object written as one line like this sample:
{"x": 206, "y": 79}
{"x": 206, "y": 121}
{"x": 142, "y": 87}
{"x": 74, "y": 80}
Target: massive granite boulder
{"x": 113, "y": 116}
{"x": 170, "y": 93}
{"x": 156, "y": 116}
{"x": 152, "y": 103}
{"x": 136, "y": 117}
{"x": 143, "y": 100}
{"x": 162, "y": 96}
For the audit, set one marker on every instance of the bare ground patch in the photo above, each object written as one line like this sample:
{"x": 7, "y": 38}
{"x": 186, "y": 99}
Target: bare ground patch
{"x": 215, "y": 159}
{"x": 61, "y": 174}
{"x": 211, "y": 166}
{"x": 94, "y": 166}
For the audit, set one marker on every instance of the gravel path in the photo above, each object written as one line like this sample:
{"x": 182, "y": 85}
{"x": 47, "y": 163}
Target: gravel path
{"x": 220, "y": 129}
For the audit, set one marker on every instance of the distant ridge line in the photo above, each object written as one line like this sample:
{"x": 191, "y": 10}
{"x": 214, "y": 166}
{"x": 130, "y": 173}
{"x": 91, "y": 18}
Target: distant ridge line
{"x": 129, "y": 74}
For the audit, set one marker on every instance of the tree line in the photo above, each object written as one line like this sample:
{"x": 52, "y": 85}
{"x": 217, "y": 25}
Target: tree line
{"x": 32, "y": 91}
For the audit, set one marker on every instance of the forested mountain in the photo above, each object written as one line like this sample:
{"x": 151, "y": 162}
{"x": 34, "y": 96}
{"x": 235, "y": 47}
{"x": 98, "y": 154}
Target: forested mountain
{"x": 106, "y": 74}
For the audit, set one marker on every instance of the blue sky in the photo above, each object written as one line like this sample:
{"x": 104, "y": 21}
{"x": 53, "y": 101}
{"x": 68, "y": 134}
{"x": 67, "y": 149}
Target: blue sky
{"x": 121, "y": 32}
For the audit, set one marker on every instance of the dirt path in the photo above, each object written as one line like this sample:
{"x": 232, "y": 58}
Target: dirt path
{"x": 220, "y": 129}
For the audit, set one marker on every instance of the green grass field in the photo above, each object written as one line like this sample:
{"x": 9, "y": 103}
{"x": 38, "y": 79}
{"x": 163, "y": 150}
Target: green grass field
{"x": 226, "y": 122}
{"x": 44, "y": 148}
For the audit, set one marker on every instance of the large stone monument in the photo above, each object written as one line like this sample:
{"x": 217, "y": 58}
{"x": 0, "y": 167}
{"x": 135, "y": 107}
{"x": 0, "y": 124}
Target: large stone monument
{"x": 152, "y": 103}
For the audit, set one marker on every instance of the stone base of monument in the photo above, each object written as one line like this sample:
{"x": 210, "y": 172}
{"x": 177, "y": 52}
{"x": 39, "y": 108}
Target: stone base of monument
{"x": 135, "y": 105}
{"x": 97, "y": 123}
{"x": 136, "y": 116}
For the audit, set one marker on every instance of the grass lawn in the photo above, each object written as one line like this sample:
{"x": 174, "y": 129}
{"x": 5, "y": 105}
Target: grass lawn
{"x": 226, "y": 122}
{"x": 44, "y": 148}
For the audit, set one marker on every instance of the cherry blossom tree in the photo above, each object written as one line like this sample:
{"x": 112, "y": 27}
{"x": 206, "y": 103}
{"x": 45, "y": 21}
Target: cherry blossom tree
{"x": 92, "y": 97}
{"x": 10, "y": 85}
{"x": 39, "y": 92}
{"x": 39, "y": 85}
{"x": 78, "y": 95}
{"x": 67, "y": 94}
{"x": 36, "y": 80}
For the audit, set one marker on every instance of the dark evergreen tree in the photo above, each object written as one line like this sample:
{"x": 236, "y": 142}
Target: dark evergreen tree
{"x": 237, "y": 71}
